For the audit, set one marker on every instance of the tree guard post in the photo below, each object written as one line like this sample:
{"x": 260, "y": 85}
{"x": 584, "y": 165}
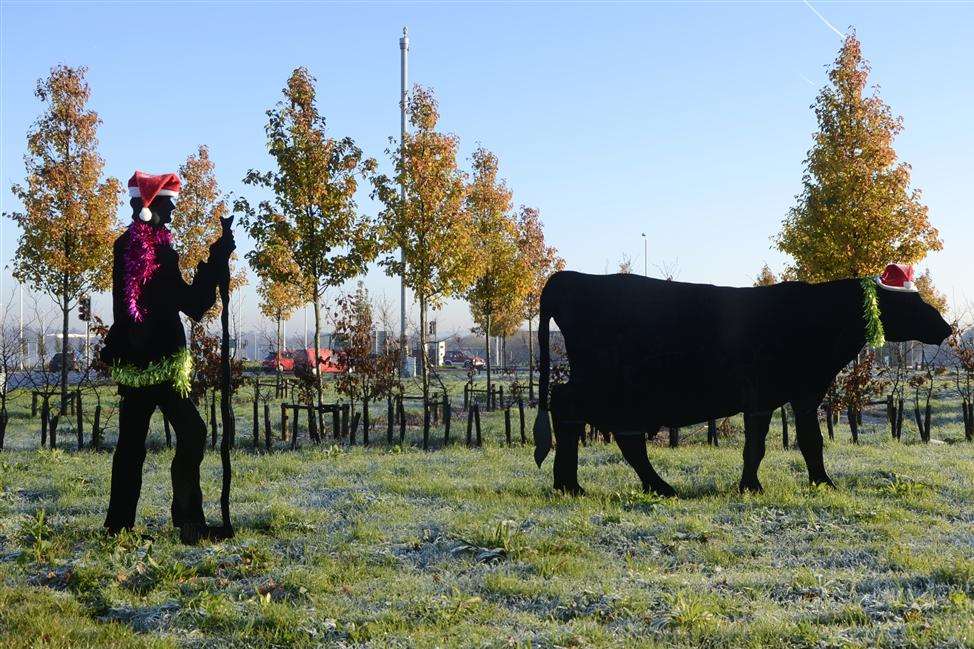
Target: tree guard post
{"x": 520, "y": 413}
{"x": 507, "y": 425}
{"x": 402, "y": 421}
{"x": 476, "y": 420}
{"x": 267, "y": 427}
{"x": 447, "y": 416}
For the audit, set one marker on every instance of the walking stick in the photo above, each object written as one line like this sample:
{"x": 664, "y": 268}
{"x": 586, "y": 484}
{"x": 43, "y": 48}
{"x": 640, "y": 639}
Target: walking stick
{"x": 225, "y": 411}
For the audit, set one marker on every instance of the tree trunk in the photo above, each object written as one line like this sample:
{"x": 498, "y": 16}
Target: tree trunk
{"x": 530, "y": 364}
{"x": 96, "y": 428}
{"x": 891, "y": 415}
{"x": 365, "y": 422}
{"x": 213, "y": 419}
{"x": 926, "y": 420}
{"x": 489, "y": 360}
{"x": 317, "y": 344}
{"x": 256, "y": 413}
{"x": 424, "y": 357}
{"x": 853, "y": 423}
{"x": 784, "y": 427}
{"x": 968, "y": 420}
{"x": 79, "y": 417}
{"x": 919, "y": 420}
{"x": 3, "y": 425}
{"x": 278, "y": 369}
{"x": 45, "y": 419}
{"x": 267, "y": 426}
{"x": 899, "y": 420}
{"x": 64, "y": 349}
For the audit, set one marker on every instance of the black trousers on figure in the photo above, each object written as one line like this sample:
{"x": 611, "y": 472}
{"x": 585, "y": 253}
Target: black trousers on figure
{"x": 135, "y": 411}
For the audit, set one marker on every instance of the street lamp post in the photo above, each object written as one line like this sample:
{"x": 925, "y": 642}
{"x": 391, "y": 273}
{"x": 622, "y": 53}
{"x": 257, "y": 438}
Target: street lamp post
{"x": 645, "y": 255}
{"x": 403, "y": 80}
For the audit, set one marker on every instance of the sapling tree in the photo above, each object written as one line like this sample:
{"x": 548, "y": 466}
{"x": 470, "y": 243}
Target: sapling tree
{"x": 541, "y": 261}
{"x": 313, "y": 208}
{"x": 68, "y": 222}
{"x": 895, "y": 376}
{"x": 496, "y": 296}
{"x": 961, "y": 345}
{"x": 856, "y": 211}
{"x": 436, "y": 256}
{"x": 196, "y": 224}
{"x": 368, "y": 374}
{"x": 857, "y": 385}
{"x": 766, "y": 277}
{"x": 923, "y": 382}
{"x": 279, "y": 290}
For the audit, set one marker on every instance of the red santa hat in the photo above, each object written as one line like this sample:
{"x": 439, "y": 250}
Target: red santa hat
{"x": 897, "y": 277}
{"x": 148, "y": 186}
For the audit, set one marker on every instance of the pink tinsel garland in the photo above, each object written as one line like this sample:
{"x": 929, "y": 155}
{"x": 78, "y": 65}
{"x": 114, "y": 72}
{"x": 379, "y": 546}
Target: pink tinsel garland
{"x": 140, "y": 262}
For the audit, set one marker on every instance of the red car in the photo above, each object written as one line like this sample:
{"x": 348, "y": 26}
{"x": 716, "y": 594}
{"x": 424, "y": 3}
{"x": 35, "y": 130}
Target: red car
{"x": 283, "y": 362}
{"x": 307, "y": 358}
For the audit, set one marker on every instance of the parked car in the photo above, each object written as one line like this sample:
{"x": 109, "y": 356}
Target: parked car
{"x": 475, "y": 362}
{"x": 304, "y": 359}
{"x": 73, "y": 361}
{"x": 283, "y": 362}
{"x": 454, "y": 358}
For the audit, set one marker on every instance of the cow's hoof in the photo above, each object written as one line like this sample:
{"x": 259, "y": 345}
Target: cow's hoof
{"x": 662, "y": 489}
{"x": 570, "y": 490}
{"x": 827, "y": 481}
{"x": 750, "y": 486}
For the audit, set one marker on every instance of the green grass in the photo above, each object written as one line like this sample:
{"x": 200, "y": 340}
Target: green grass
{"x": 471, "y": 547}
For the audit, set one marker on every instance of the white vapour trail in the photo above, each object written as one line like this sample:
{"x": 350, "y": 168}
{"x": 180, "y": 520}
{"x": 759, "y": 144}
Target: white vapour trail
{"x": 823, "y": 19}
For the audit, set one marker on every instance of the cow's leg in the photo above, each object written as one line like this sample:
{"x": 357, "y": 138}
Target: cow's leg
{"x": 568, "y": 428}
{"x": 633, "y": 447}
{"x": 809, "y": 436}
{"x": 755, "y": 432}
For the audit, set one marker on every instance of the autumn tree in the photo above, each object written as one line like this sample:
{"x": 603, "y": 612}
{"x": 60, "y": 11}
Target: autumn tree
{"x": 196, "y": 225}
{"x": 766, "y": 277}
{"x": 498, "y": 289}
{"x": 68, "y": 222}
{"x": 314, "y": 207}
{"x": 929, "y": 292}
{"x": 369, "y": 374}
{"x": 279, "y": 290}
{"x": 541, "y": 261}
{"x": 856, "y": 212}
{"x": 429, "y": 223}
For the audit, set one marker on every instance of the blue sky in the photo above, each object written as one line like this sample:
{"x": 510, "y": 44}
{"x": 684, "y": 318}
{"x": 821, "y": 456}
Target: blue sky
{"x": 688, "y": 122}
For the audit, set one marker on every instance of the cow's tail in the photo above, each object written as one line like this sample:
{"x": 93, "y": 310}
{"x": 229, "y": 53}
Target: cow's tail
{"x": 542, "y": 423}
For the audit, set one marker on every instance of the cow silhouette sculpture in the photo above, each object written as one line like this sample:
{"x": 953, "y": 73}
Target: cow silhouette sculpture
{"x": 646, "y": 353}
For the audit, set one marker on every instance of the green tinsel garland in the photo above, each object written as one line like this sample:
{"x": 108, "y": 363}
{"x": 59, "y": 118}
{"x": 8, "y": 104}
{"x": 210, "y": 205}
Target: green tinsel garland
{"x": 177, "y": 368}
{"x": 875, "y": 337}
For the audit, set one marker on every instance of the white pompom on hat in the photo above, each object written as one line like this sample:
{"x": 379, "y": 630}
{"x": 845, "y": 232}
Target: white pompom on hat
{"x": 148, "y": 186}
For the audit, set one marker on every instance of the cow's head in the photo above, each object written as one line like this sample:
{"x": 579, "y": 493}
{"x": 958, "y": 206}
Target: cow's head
{"x": 906, "y": 316}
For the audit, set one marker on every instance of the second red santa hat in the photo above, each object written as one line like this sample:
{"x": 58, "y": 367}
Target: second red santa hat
{"x": 148, "y": 186}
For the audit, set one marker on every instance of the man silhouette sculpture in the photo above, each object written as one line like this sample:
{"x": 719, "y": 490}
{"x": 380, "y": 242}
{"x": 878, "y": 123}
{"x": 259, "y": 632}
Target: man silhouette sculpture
{"x": 146, "y": 350}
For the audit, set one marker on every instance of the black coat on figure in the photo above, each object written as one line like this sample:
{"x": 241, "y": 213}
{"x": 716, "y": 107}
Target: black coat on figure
{"x": 165, "y": 295}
